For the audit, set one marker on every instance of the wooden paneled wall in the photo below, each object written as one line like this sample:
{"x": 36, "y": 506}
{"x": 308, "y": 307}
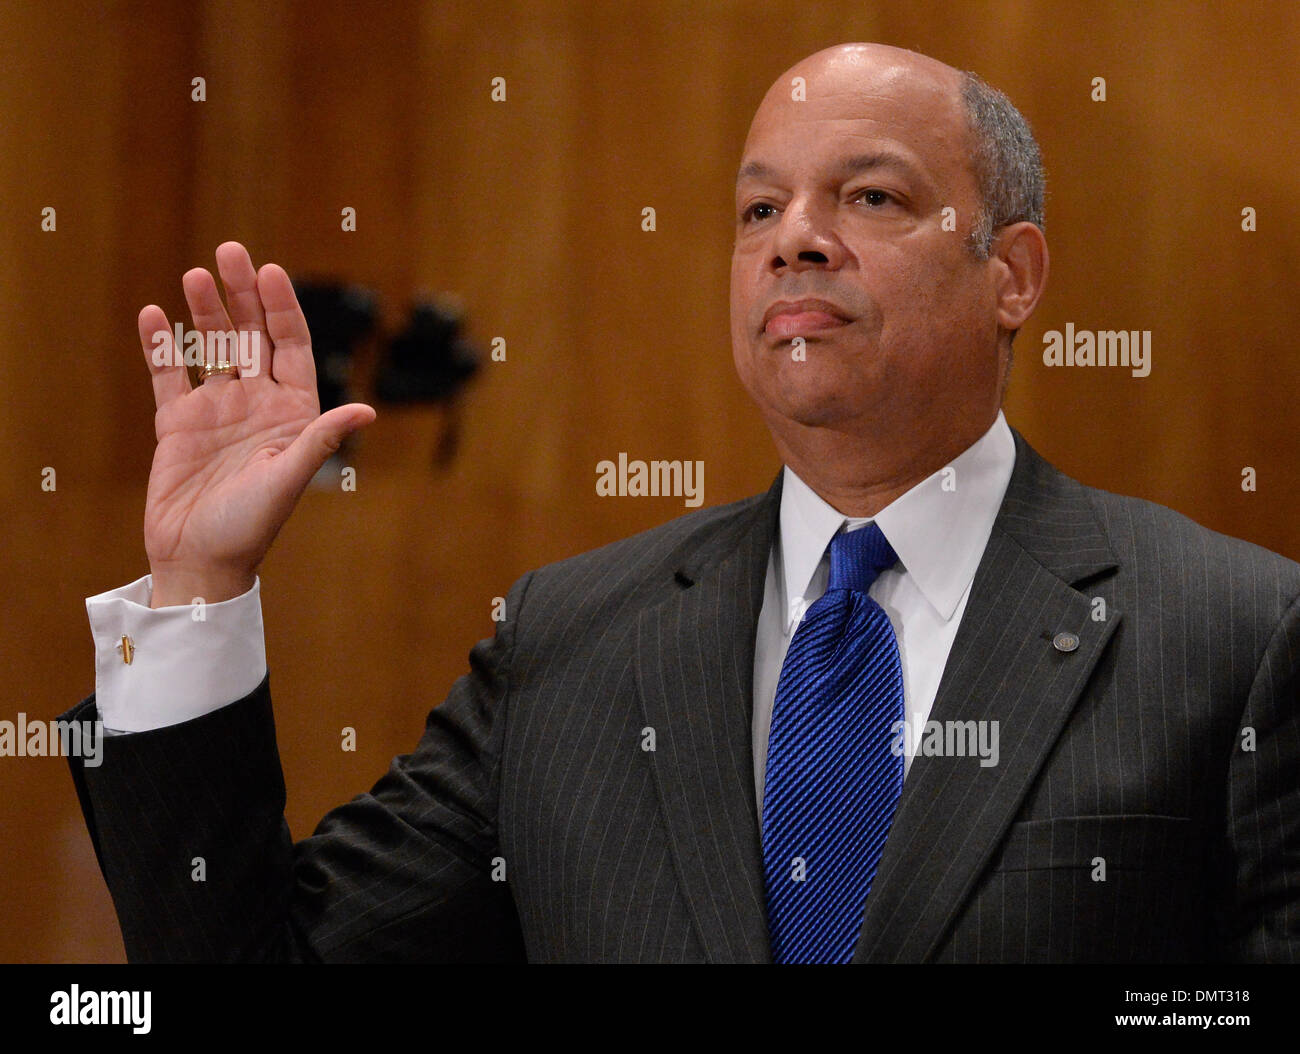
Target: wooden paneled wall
{"x": 617, "y": 339}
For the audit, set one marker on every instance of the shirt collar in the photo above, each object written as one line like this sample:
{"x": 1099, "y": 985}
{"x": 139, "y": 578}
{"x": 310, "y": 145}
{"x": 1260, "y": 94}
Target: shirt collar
{"x": 939, "y": 528}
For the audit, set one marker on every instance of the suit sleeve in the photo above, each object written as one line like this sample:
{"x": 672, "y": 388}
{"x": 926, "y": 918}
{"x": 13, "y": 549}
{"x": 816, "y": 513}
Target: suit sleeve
{"x": 1263, "y": 919}
{"x": 403, "y": 873}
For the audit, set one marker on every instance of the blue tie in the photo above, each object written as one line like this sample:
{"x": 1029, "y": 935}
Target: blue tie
{"x": 832, "y": 780}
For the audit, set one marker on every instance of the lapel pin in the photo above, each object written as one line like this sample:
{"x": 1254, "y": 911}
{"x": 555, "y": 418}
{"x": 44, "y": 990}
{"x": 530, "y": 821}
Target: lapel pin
{"x": 127, "y": 648}
{"x": 1066, "y": 642}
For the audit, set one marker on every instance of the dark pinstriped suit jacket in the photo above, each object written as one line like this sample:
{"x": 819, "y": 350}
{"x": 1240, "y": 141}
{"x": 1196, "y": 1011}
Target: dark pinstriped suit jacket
{"x": 1128, "y": 748}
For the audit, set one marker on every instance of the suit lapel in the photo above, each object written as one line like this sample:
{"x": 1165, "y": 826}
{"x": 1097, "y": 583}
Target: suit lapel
{"x": 695, "y": 673}
{"x": 1005, "y": 666}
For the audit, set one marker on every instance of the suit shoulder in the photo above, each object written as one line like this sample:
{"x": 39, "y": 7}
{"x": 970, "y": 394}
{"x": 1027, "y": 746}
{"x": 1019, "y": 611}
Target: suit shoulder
{"x": 1151, "y": 537}
{"x": 647, "y": 556}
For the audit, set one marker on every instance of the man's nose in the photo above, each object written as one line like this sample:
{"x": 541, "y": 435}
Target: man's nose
{"x": 806, "y": 238}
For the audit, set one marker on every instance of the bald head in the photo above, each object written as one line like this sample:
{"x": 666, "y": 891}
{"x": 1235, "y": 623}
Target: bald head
{"x": 860, "y": 67}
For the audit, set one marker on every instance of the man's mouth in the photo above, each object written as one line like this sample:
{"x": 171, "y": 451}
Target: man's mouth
{"x": 799, "y": 318}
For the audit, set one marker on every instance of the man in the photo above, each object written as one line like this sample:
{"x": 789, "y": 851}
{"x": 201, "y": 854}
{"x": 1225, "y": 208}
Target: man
{"x": 1023, "y": 720}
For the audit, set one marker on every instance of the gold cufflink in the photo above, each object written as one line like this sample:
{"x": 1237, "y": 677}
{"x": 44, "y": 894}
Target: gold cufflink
{"x": 127, "y": 648}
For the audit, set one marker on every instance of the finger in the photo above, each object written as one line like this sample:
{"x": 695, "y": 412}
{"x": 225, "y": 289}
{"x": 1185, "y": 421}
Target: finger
{"x": 166, "y": 366}
{"x": 305, "y": 455}
{"x": 244, "y": 303}
{"x": 210, "y": 318}
{"x": 292, "y": 361}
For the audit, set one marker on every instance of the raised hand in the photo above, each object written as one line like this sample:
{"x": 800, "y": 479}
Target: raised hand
{"x": 234, "y": 454}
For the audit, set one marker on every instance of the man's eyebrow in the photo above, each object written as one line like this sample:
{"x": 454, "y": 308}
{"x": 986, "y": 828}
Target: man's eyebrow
{"x": 754, "y": 170}
{"x": 845, "y": 167}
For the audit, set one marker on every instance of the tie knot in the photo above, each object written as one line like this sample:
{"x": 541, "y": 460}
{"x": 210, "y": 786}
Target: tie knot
{"x": 857, "y": 557}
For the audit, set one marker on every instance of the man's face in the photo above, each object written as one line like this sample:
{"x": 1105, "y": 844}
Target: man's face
{"x": 841, "y": 199}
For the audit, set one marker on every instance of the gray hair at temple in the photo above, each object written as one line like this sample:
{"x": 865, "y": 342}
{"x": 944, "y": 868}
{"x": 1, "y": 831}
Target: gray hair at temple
{"x": 1007, "y": 163}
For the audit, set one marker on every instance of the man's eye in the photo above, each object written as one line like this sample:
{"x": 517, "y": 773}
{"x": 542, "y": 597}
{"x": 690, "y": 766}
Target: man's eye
{"x": 751, "y": 213}
{"x": 874, "y": 197}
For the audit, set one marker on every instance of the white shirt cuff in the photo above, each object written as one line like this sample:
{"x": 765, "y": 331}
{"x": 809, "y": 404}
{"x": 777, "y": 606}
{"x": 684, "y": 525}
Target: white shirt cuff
{"x": 186, "y": 660}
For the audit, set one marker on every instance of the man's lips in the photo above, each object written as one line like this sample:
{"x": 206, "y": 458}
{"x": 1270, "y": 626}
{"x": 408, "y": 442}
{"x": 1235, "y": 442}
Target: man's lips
{"x": 794, "y": 318}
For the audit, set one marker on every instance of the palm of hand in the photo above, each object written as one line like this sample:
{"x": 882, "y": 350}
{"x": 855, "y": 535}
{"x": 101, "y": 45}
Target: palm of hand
{"x": 234, "y": 455}
{"x": 218, "y": 465}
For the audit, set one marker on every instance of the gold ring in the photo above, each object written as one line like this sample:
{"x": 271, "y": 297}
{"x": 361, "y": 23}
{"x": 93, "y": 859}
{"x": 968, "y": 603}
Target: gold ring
{"x": 216, "y": 369}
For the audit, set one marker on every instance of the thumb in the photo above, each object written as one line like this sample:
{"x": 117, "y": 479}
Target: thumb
{"x": 315, "y": 443}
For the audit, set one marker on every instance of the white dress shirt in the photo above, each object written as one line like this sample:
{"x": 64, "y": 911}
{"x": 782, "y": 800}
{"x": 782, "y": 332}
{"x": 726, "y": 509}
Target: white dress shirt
{"x": 939, "y": 529}
{"x": 182, "y": 667}
{"x": 189, "y": 661}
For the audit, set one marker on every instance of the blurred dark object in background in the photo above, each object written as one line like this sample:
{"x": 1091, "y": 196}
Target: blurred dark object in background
{"x": 428, "y": 363}
{"x": 339, "y": 317}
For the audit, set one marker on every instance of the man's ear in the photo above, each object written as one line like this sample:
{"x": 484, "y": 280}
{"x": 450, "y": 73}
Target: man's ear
{"x": 1020, "y": 257}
